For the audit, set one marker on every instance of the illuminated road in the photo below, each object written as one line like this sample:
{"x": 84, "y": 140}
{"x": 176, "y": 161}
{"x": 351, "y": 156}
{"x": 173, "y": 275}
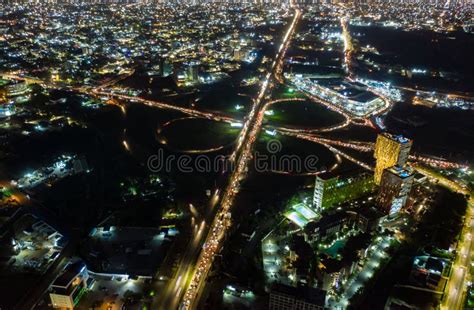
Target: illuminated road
{"x": 348, "y": 47}
{"x": 452, "y": 185}
{"x": 327, "y": 143}
{"x": 110, "y": 95}
{"x": 300, "y": 133}
{"x": 244, "y": 146}
{"x": 466, "y": 96}
{"x": 170, "y": 295}
{"x": 190, "y": 277}
{"x": 189, "y": 151}
{"x": 356, "y": 145}
{"x": 377, "y": 252}
{"x": 345, "y": 123}
{"x": 117, "y": 79}
{"x": 332, "y": 107}
{"x": 460, "y": 269}
{"x": 163, "y": 105}
{"x": 348, "y": 157}
{"x": 369, "y": 147}
{"x": 18, "y": 77}
{"x": 439, "y": 163}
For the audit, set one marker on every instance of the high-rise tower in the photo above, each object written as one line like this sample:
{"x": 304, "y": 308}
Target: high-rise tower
{"x": 390, "y": 150}
{"x": 394, "y": 189}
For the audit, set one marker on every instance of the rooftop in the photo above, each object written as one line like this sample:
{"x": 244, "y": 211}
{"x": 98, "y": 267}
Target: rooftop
{"x": 402, "y": 172}
{"x": 300, "y": 214}
{"x": 69, "y": 274}
{"x": 309, "y": 294}
{"x": 398, "y": 138}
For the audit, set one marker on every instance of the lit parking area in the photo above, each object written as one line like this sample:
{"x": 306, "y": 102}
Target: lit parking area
{"x": 35, "y": 245}
{"x": 106, "y": 294}
{"x": 235, "y": 295}
{"x": 64, "y": 166}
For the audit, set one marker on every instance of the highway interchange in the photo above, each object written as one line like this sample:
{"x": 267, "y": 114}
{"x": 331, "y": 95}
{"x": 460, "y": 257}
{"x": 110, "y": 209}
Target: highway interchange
{"x": 184, "y": 289}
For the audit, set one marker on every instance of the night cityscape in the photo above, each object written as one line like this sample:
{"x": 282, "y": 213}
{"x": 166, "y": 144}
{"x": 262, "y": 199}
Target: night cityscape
{"x": 284, "y": 155}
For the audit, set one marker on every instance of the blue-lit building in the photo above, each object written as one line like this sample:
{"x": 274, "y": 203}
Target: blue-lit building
{"x": 6, "y": 110}
{"x": 395, "y": 188}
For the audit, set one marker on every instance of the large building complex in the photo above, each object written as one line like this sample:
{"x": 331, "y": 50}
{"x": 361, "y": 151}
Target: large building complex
{"x": 331, "y": 189}
{"x": 351, "y": 97}
{"x": 390, "y": 150}
{"x": 17, "y": 89}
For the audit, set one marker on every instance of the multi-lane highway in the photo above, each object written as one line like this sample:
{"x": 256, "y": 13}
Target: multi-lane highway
{"x": 348, "y": 47}
{"x": 163, "y": 105}
{"x": 171, "y": 294}
{"x": 460, "y": 270}
{"x": 442, "y": 180}
{"x": 242, "y": 155}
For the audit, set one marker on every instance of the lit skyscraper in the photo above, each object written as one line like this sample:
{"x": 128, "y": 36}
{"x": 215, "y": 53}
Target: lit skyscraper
{"x": 192, "y": 72}
{"x": 394, "y": 189}
{"x": 390, "y": 150}
{"x": 318, "y": 194}
{"x": 325, "y": 187}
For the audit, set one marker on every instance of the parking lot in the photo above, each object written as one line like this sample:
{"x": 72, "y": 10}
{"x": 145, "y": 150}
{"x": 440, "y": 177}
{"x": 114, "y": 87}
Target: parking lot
{"x": 113, "y": 295}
